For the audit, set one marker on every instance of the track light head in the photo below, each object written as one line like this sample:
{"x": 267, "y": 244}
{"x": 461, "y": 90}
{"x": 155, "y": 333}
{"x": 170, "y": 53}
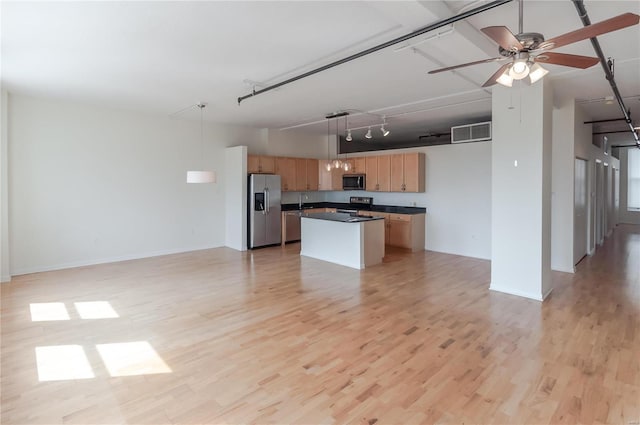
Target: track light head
{"x": 384, "y": 131}
{"x": 348, "y": 138}
{"x": 368, "y": 135}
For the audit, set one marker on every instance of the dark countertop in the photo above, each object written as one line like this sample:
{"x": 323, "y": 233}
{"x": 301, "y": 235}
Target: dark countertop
{"x": 341, "y": 217}
{"x": 345, "y": 205}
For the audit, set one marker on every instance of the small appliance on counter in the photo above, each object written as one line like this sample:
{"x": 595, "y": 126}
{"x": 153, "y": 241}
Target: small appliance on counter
{"x": 357, "y": 203}
{"x": 263, "y": 208}
{"x": 353, "y": 181}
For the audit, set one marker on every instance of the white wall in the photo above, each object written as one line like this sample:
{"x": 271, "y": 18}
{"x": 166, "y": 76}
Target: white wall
{"x": 562, "y": 186}
{"x": 90, "y": 185}
{"x": 457, "y": 198}
{"x": 5, "y": 274}
{"x": 521, "y": 201}
{"x": 235, "y": 205}
{"x": 624, "y": 216}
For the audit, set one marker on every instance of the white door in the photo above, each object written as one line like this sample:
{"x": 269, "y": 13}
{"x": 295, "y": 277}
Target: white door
{"x": 616, "y": 195}
{"x": 606, "y": 190}
{"x": 581, "y": 213}
{"x": 599, "y": 204}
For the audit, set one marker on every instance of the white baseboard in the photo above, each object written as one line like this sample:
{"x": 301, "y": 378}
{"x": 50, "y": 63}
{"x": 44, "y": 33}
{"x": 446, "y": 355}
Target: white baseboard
{"x": 563, "y": 269}
{"x": 532, "y": 296}
{"x": 73, "y": 264}
{"x": 457, "y": 253}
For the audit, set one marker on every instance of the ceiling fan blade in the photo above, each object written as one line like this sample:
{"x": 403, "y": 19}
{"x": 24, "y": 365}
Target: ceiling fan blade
{"x": 575, "y": 61}
{"x": 493, "y": 79}
{"x": 450, "y": 68}
{"x": 503, "y": 37}
{"x": 594, "y": 30}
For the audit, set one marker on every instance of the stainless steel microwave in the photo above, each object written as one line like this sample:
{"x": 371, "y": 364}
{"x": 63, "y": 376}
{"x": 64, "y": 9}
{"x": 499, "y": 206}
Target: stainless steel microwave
{"x": 353, "y": 181}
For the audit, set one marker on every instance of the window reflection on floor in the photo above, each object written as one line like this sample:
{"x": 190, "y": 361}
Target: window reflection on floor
{"x": 43, "y": 312}
{"x": 95, "y": 310}
{"x": 62, "y": 362}
{"x": 131, "y": 358}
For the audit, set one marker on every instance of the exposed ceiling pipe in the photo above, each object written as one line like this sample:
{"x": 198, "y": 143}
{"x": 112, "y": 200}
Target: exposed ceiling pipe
{"x": 431, "y": 27}
{"x": 584, "y": 16}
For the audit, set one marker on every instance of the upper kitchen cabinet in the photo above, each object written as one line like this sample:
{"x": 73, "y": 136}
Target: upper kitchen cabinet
{"x": 313, "y": 174}
{"x": 329, "y": 180}
{"x": 260, "y": 164}
{"x": 307, "y": 174}
{"x": 358, "y": 165}
{"x": 286, "y": 169}
{"x": 378, "y": 173}
{"x": 408, "y": 172}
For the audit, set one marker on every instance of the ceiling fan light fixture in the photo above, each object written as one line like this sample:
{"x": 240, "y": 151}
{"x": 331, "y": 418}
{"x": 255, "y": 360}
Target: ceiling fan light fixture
{"x": 536, "y": 73}
{"x": 519, "y": 69}
{"x": 505, "y": 79}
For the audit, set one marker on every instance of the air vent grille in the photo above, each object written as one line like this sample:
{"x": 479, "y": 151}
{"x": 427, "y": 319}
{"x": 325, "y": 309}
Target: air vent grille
{"x": 471, "y": 133}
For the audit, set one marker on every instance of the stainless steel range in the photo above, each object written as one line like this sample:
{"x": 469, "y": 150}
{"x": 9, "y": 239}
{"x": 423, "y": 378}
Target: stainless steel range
{"x": 356, "y": 203}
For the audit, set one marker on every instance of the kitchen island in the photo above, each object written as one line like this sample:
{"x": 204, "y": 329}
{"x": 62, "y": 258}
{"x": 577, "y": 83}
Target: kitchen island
{"x": 346, "y": 239}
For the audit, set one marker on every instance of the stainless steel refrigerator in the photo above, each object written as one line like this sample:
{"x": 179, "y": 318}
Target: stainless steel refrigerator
{"x": 263, "y": 207}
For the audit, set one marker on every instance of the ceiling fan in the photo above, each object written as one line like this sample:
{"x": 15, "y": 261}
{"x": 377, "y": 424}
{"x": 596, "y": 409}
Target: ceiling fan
{"x": 525, "y": 51}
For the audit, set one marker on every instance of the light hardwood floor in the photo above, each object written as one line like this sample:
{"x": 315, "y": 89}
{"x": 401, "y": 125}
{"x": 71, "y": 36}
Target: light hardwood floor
{"x": 269, "y": 337}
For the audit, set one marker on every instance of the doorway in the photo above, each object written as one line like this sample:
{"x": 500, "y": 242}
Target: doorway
{"x": 599, "y": 222}
{"x": 580, "y": 211}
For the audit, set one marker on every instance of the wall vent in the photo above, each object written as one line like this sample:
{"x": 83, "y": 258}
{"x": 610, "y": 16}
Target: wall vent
{"x": 471, "y": 133}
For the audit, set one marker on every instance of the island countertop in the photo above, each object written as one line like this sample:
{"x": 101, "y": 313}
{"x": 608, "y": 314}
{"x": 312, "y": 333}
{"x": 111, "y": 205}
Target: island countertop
{"x": 341, "y": 217}
{"x": 346, "y": 205}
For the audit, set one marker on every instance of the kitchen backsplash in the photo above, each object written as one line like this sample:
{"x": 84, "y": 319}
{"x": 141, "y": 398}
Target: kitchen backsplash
{"x": 397, "y": 199}
{"x": 294, "y": 197}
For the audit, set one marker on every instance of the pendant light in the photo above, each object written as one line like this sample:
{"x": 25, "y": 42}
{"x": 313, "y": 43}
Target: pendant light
{"x": 327, "y": 166}
{"x": 201, "y": 176}
{"x": 346, "y": 166}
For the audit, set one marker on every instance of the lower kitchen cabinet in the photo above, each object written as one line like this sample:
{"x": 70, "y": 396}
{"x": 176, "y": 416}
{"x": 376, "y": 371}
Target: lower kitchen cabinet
{"x": 402, "y": 230}
{"x": 407, "y": 231}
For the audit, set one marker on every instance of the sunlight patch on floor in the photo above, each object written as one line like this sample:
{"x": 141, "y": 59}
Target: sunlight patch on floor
{"x": 95, "y": 310}
{"x": 131, "y": 358}
{"x": 44, "y": 312}
{"x": 62, "y": 362}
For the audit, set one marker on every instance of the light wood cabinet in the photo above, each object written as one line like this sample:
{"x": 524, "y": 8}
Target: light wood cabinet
{"x": 407, "y": 172}
{"x": 358, "y": 165}
{"x": 306, "y": 174}
{"x": 286, "y": 169}
{"x": 387, "y": 227}
{"x": 312, "y": 174}
{"x": 329, "y": 180}
{"x": 401, "y": 230}
{"x": 260, "y": 164}
{"x": 407, "y": 231}
{"x": 378, "y": 171}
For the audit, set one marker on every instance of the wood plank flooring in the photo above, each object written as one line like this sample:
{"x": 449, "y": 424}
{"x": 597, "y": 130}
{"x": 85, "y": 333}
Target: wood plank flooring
{"x": 270, "y": 337}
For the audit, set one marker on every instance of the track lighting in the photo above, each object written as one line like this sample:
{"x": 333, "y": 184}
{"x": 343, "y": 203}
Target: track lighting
{"x": 368, "y": 135}
{"x": 384, "y": 131}
{"x": 349, "y": 138}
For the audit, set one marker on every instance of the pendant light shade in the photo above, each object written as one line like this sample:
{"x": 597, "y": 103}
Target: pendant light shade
{"x": 201, "y": 176}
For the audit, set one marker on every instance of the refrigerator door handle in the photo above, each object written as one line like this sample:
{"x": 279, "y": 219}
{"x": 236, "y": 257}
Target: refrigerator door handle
{"x": 266, "y": 201}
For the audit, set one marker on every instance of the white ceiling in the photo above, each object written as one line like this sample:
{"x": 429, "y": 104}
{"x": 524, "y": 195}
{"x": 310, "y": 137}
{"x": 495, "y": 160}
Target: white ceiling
{"x": 163, "y": 56}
